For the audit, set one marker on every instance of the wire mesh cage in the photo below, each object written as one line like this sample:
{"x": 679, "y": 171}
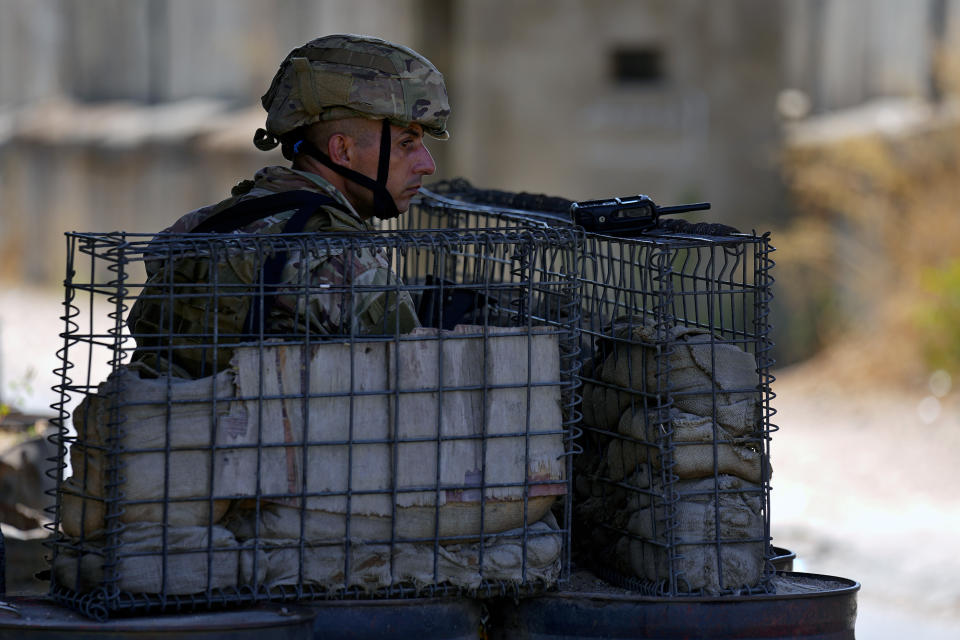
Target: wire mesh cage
{"x": 388, "y": 414}
{"x": 672, "y": 496}
{"x": 672, "y": 490}
{"x": 352, "y": 426}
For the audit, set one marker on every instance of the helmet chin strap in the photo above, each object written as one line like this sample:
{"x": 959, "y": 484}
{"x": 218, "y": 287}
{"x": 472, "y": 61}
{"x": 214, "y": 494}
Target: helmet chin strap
{"x": 383, "y": 205}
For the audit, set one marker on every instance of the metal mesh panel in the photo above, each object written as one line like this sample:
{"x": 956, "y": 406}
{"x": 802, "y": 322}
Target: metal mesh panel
{"x": 254, "y": 441}
{"x": 673, "y": 493}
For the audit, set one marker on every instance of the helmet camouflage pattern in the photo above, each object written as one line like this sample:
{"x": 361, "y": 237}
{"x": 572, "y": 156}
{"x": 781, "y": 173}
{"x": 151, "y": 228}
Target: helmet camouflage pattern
{"x": 342, "y": 76}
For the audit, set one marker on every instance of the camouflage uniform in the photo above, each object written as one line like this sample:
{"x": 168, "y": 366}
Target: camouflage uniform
{"x": 195, "y": 310}
{"x": 186, "y": 318}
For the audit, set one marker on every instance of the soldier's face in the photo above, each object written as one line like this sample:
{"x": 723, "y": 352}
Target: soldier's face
{"x": 410, "y": 161}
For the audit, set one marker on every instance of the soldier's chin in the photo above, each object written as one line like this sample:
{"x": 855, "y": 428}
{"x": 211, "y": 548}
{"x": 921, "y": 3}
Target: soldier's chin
{"x": 401, "y": 206}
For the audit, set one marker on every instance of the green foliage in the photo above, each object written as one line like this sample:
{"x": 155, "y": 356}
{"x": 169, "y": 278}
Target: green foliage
{"x": 937, "y": 316}
{"x": 862, "y": 263}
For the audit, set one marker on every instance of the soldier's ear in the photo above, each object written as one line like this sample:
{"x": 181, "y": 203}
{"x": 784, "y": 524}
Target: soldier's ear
{"x": 340, "y": 149}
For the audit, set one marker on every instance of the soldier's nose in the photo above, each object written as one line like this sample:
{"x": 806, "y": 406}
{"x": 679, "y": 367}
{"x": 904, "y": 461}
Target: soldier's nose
{"x": 425, "y": 165}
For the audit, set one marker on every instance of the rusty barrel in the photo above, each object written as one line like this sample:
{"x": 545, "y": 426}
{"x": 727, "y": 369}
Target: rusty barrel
{"x": 810, "y": 606}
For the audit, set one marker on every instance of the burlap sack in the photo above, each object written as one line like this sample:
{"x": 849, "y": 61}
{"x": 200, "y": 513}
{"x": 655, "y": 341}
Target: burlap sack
{"x": 189, "y": 567}
{"x": 454, "y": 519}
{"x": 704, "y": 460}
{"x": 605, "y": 404}
{"x": 163, "y": 451}
{"x": 385, "y": 423}
{"x": 702, "y": 518}
{"x": 700, "y": 373}
{"x": 694, "y": 439}
{"x": 372, "y": 566}
{"x": 624, "y": 457}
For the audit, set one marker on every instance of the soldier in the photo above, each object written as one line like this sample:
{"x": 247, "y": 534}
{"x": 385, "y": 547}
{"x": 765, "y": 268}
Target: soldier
{"x": 351, "y": 113}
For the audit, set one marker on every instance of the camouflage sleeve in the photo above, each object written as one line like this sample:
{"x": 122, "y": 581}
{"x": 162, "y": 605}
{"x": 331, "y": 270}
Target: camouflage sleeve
{"x": 344, "y": 293}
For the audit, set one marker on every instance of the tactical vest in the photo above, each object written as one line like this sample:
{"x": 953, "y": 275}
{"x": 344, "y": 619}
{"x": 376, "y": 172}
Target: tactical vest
{"x": 185, "y": 319}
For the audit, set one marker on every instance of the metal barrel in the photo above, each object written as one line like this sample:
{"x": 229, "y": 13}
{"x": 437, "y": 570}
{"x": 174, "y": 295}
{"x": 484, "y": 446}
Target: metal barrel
{"x": 401, "y": 619}
{"x": 41, "y": 619}
{"x": 783, "y": 559}
{"x": 807, "y": 606}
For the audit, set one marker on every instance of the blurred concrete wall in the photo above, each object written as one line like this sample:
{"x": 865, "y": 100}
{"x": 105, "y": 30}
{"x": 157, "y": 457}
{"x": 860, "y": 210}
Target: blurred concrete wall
{"x": 842, "y": 53}
{"x": 123, "y": 114}
{"x": 695, "y": 118}
{"x": 161, "y": 50}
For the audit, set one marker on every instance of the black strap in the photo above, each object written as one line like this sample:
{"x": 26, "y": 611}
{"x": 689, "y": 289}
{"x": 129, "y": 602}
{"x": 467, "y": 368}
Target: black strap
{"x": 451, "y": 309}
{"x": 243, "y": 213}
{"x": 384, "y": 207}
{"x": 304, "y": 203}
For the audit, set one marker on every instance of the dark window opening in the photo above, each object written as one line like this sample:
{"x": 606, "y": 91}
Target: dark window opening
{"x": 638, "y": 65}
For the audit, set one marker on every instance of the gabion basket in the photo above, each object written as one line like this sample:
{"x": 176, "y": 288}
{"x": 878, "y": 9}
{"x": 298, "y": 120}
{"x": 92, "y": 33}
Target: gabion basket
{"x": 235, "y": 448}
{"x": 672, "y": 496}
{"x": 672, "y": 492}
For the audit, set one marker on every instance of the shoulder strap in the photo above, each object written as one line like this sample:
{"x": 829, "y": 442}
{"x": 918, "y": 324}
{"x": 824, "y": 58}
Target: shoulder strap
{"x": 248, "y": 211}
{"x": 304, "y": 203}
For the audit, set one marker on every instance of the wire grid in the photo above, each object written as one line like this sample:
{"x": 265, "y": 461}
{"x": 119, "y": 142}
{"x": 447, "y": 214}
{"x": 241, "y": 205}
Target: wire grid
{"x": 664, "y": 452}
{"x": 673, "y": 492}
{"x": 184, "y": 491}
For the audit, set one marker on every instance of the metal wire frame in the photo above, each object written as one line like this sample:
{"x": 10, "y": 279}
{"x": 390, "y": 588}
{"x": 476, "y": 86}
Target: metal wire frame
{"x": 685, "y": 281}
{"x": 526, "y": 278}
{"x": 720, "y": 284}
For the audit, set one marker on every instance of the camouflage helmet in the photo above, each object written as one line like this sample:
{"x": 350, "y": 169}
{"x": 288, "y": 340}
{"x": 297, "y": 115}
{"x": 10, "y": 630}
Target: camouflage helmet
{"x": 343, "y": 76}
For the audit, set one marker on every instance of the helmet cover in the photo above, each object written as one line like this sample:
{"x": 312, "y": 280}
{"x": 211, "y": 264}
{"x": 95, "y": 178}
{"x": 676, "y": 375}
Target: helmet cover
{"x": 343, "y": 76}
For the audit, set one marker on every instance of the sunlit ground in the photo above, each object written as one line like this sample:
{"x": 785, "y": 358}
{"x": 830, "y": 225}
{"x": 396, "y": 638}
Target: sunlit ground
{"x": 865, "y": 482}
{"x": 865, "y": 487}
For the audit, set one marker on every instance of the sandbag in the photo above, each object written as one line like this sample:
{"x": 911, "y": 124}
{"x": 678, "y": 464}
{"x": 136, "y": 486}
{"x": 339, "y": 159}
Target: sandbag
{"x": 455, "y": 519}
{"x": 377, "y": 424}
{"x": 285, "y": 562}
{"x": 704, "y": 460}
{"x": 700, "y": 373}
{"x": 604, "y": 404}
{"x": 623, "y": 458}
{"x": 729, "y": 511}
{"x": 187, "y": 568}
{"x": 482, "y": 403}
{"x": 694, "y": 439}
{"x": 162, "y": 448}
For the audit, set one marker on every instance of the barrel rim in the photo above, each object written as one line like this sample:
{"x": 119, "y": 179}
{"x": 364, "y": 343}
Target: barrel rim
{"x": 34, "y": 612}
{"x": 849, "y": 587}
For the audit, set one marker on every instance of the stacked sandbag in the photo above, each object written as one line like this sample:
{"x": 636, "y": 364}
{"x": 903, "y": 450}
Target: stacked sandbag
{"x": 152, "y": 440}
{"x": 151, "y": 558}
{"x": 162, "y": 436}
{"x": 339, "y": 449}
{"x": 687, "y": 364}
{"x": 728, "y": 510}
{"x": 415, "y": 414}
{"x": 681, "y": 467}
{"x": 286, "y": 546}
